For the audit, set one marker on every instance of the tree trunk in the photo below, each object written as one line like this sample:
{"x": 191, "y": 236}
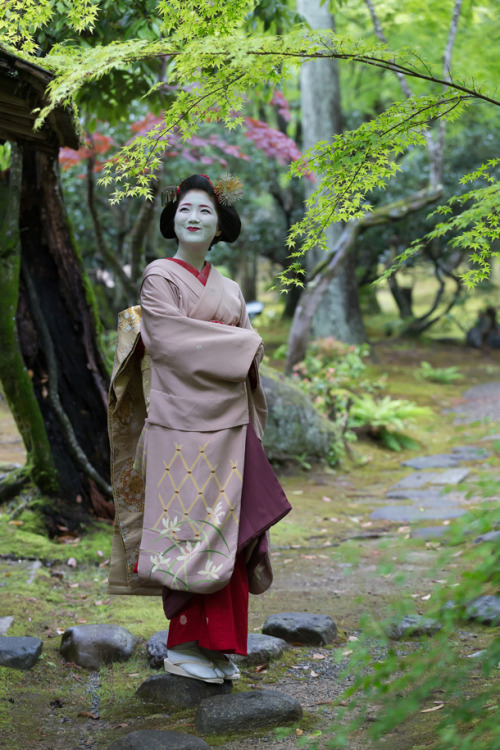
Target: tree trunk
{"x": 403, "y": 297}
{"x": 338, "y": 313}
{"x": 247, "y": 276}
{"x": 58, "y": 340}
{"x": 15, "y": 377}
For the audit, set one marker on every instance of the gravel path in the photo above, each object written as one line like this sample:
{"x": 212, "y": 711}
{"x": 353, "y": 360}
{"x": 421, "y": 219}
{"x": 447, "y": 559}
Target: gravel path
{"x": 481, "y": 402}
{"x": 317, "y": 682}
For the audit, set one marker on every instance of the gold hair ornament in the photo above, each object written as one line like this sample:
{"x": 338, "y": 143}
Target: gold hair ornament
{"x": 228, "y": 189}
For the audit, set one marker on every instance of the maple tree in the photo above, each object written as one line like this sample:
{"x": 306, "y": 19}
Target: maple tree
{"x": 214, "y": 53}
{"x": 205, "y": 58}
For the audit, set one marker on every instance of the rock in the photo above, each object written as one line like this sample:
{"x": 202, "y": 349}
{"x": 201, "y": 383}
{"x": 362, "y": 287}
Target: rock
{"x": 301, "y": 627}
{"x": 412, "y": 626}
{"x": 35, "y": 565}
{"x": 469, "y": 453}
{"x": 156, "y": 739}
{"x": 484, "y": 609}
{"x": 243, "y": 711}
{"x": 451, "y": 476}
{"x": 261, "y": 649}
{"x": 294, "y": 427}
{"x": 421, "y": 478}
{"x": 408, "y": 513}
{"x": 489, "y": 536}
{"x": 480, "y": 401}
{"x": 429, "y": 532}
{"x": 91, "y": 646}
{"x": 431, "y": 497}
{"x": 157, "y": 649}
{"x": 5, "y": 623}
{"x": 477, "y": 654}
{"x": 172, "y": 690}
{"x": 19, "y": 652}
{"x": 415, "y": 480}
{"x": 437, "y": 461}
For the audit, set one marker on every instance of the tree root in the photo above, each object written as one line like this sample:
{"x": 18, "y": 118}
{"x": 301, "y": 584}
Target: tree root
{"x": 12, "y": 483}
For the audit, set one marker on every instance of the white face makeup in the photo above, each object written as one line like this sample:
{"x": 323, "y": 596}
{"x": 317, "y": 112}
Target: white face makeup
{"x": 195, "y": 221}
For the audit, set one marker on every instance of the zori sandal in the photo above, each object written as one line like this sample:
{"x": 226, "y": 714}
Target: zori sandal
{"x": 228, "y": 669}
{"x": 224, "y": 664}
{"x": 190, "y": 662}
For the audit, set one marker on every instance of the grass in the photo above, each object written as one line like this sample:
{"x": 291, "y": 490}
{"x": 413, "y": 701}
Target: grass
{"x": 323, "y": 560}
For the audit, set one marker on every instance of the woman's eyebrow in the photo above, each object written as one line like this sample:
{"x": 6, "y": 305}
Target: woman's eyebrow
{"x": 202, "y": 205}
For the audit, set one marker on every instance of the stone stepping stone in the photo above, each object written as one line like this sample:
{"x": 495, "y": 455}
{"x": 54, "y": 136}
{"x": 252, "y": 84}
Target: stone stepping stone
{"x": 243, "y": 711}
{"x": 437, "y": 461}
{"x": 415, "y": 480}
{"x": 5, "y": 624}
{"x": 156, "y": 739}
{"x": 413, "y": 626}
{"x": 451, "y": 476}
{"x": 261, "y": 650}
{"x": 408, "y": 513}
{"x": 421, "y": 478}
{"x": 469, "y": 453}
{"x": 431, "y": 497}
{"x": 484, "y": 609}
{"x": 489, "y": 536}
{"x": 91, "y": 646}
{"x": 301, "y": 627}
{"x": 173, "y": 690}
{"x": 156, "y": 649}
{"x": 19, "y": 652}
{"x": 429, "y": 532}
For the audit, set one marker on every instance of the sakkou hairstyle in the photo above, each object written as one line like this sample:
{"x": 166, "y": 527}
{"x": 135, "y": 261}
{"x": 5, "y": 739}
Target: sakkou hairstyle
{"x": 229, "y": 221}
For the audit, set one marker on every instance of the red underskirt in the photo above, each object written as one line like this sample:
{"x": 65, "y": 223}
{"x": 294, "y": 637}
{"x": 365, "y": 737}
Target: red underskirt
{"x": 218, "y": 621}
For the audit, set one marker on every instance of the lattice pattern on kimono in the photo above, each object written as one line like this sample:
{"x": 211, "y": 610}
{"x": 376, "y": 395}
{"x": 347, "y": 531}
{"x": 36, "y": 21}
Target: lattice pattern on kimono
{"x": 191, "y": 520}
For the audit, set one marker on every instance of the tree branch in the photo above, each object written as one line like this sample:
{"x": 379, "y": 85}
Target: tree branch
{"x": 382, "y": 38}
{"x": 140, "y": 230}
{"x": 434, "y": 144}
{"x": 108, "y": 256}
{"x": 325, "y": 271}
{"x": 393, "y": 211}
{"x": 438, "y": 142}
{"x": 422, "y": 324}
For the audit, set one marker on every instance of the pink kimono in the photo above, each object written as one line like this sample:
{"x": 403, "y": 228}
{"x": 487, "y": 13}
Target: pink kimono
{"x": 194, "y": 444}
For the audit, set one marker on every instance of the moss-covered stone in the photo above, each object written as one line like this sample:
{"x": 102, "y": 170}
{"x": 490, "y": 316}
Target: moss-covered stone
{"x": 294, "y": 427}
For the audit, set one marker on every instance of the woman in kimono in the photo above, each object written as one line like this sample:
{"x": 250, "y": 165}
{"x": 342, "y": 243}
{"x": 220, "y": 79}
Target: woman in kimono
{"x": 210, "y": 493}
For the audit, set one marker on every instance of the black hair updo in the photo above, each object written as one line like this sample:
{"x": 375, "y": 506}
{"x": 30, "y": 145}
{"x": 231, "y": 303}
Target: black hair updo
{"x": 229, "y": 221}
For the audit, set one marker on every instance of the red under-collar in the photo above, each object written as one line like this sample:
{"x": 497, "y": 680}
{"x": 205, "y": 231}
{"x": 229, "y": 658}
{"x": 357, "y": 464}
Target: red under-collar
{"x": 200, "y": 275}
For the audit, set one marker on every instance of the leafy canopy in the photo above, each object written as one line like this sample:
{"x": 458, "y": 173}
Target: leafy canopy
{"x": 212, "y": 62}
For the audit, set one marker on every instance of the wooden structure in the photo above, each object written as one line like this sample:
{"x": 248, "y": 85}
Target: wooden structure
{"x": 22, "y": 90}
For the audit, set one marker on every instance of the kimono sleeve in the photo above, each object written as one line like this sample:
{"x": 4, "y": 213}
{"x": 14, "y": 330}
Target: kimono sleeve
{"x": 202, "y": 350}
{"x": 246, "y": 323}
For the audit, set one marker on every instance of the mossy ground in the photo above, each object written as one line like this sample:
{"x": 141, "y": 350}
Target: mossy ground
{"x": 329, "y": 557}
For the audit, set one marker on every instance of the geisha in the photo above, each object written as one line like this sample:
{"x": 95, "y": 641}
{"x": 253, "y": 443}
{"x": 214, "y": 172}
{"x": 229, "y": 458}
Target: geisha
{"x": 194, "y": 493}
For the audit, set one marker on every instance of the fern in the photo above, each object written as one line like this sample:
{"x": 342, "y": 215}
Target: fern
{"x": 443, "y": 375}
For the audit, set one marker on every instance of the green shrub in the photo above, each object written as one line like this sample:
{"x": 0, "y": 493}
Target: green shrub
{"x": 384, "y": 419}
{"x": 444, "y": 375}
{"x": 332, "y": 376}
